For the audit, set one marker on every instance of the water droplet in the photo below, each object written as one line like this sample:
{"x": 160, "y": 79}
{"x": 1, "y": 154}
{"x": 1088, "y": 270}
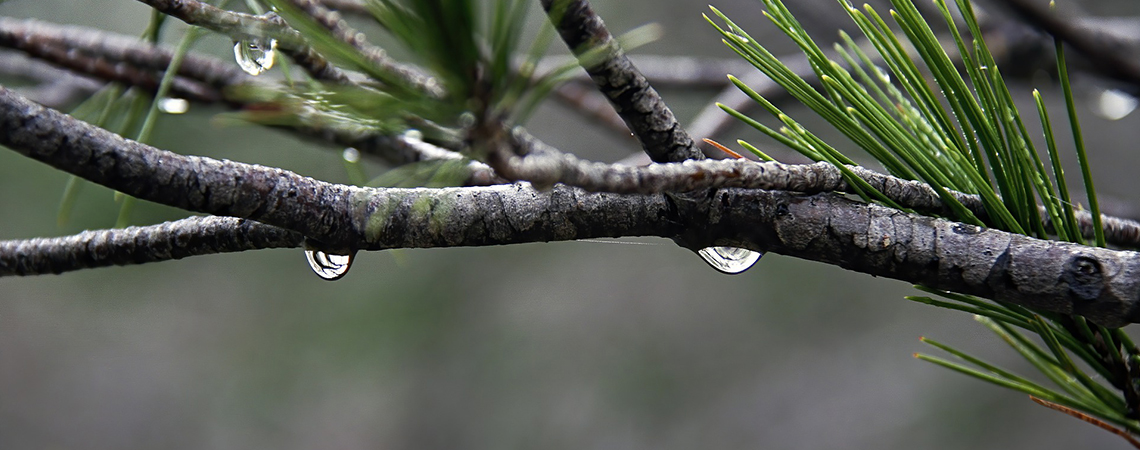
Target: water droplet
{"x": 742, "y": 39}
{"x": 173, "y": 105}
{"x": 413, "y": 135}
{"x": 1114, "y": 104}
{"x": 351, "y": 155}
{"x": 467, "y": 119}
{"x": 730, "y": 260}
{"x": 328, "y": 266}
{"x": 884, "y": 75}
{"x": 255, "y": 55}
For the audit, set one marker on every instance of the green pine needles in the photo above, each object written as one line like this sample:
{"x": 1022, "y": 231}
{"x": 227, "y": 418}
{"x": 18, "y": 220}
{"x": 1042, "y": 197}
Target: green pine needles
{"x": 468, "y": 47}
{"x": 922, "y": 119}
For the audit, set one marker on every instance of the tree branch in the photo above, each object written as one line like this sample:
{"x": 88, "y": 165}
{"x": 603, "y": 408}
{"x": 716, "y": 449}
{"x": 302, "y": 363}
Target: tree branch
{"x": 27, "y": 34}
{"x": 1101, "y": 284}
{"x": 523, "y": 157}
{"x": 192, "y": 236}
{"x": 245, "y": 26}
{"x": 119, "y": 58}
{"x": 635, "y": 100}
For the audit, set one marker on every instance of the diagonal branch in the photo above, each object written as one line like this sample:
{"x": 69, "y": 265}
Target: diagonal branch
{"x": 642, "y": 108}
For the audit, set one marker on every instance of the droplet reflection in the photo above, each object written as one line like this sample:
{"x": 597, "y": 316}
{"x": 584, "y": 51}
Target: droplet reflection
{"x": 172, "y": 105}
{"x": 1114, "y": 104}
{"x": 328, "y": 266}
{"x": 351, "y": 155}
{"x": 255, "y": 55}
{"x": 730, "y": 260}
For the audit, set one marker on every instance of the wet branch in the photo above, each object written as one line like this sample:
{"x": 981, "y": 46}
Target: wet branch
{"x": 340, "y": 29}
{"x": 192, "y": 236}
{"x": 27, "y": 34}
{"x": 245, "y": 26}
{"x": 635, "y": 100}
{"x": 522, "y": 157}
{"x": 1101, "y": 284}
{"x": 128, "y": 60}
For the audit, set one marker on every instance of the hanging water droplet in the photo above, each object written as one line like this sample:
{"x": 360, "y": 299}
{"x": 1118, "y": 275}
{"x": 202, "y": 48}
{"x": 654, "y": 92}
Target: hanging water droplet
{"x": 1114, "y": 104}
{"x": 742, "y": 39}
{"x": 173, "y": 105}
{"x": 328, "y": 266}
{"x": 255, "y": 55}
{"x": 730, "y": 260}
{"x": 351, "y": 155}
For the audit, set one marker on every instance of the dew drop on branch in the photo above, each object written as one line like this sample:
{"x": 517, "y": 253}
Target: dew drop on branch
{"x": 255, "y": 55}
{"x": 328, "y": 266}
{"x": 1114, "y": 104}
{"x": 730, "y": 260}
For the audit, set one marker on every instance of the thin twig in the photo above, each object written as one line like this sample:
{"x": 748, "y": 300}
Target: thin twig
{"x": 179, "y": 239}
{"x": 113, "y": 57}
{"x": 591, "y": 105}
{"x": 341, "y": 30}
{"x": 247, "y": 26}
{"x": 12, "y": 36}
{"x": 30, "y": 34}
{"x": 1087, "y": 418}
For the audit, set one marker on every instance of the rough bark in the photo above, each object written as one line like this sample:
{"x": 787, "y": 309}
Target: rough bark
{"x": 1102, "y": 284}
{"x": 138, "y": 245}
{"x": 638, "y": 104}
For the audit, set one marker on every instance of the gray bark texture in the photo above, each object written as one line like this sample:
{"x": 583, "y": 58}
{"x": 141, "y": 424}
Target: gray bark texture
{"x": 1101, "y": 284}
{"x": 638, "y": 104}
{"x": 138, "y": 245}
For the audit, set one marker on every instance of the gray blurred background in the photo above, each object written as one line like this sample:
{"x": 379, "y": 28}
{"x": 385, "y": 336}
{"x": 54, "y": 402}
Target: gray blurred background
{"x": 559, "y": 346}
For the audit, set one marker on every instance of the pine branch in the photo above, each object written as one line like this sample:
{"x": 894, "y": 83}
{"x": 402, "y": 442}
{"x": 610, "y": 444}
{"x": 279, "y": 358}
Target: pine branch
{"x": 635, "y": 100}
{"x": 29, "y": 35}
{"x": 340, "y": 29}
{"x": 243, "y": 26}
{"x": 22, "y": 35}
{"x": 113, "y": 57}
{"x": 192, "y": 236}
{"x": 522, "y": 157}
{"x": 246, "y": 26}
{"x": 1101, "y": 284}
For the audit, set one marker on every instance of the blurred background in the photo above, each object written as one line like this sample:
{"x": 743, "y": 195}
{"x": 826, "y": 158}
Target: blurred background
{"x": 570, "y": 345}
